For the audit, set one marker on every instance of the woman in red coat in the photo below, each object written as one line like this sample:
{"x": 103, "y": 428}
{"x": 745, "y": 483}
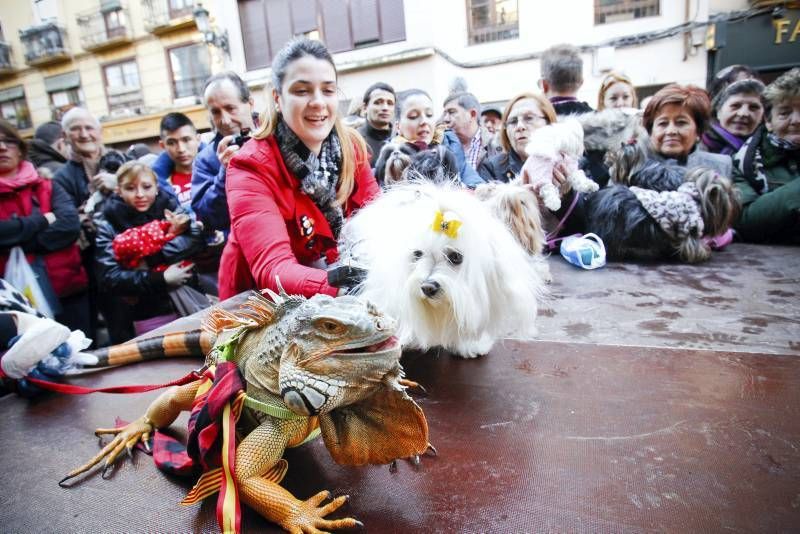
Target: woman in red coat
{"x": 291, "y": 187}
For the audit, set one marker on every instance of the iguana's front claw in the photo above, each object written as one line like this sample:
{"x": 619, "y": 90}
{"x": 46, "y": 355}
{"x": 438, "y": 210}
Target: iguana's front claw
{"x": 125, "y": 439}
{"x": 433, "y": 450}
{"x": 310, "y": 518}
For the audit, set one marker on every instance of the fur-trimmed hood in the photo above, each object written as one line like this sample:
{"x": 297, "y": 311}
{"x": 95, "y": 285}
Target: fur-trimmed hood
{"x": 608, "y": 129}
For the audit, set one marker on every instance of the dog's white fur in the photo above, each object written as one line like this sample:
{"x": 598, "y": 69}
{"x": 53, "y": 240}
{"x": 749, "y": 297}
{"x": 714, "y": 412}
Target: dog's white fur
{"x": 560, "y": 142}
{"x": 493, "y": 293}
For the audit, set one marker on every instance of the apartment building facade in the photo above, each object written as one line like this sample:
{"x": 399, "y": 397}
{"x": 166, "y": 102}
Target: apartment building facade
{"x": 128, "y": 61}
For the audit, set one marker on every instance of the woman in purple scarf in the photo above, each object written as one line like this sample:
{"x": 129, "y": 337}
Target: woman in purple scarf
{"x": 738, "y": 110}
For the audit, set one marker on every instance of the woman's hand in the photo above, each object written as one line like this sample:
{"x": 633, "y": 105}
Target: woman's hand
{"x": 178, "y": 222}
{"x": 178, "y": 274}
{"x": 225, "y": 150}
{"x": 560, "y": 174}
{"x": 50, "y": 216}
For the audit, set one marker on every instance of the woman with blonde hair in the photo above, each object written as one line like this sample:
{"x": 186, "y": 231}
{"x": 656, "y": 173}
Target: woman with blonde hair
{"x": 290, "y": 188}
{"x": 616, "y": 91}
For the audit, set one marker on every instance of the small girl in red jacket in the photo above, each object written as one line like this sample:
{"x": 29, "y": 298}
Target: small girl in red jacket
{"x": 143, "y": 242}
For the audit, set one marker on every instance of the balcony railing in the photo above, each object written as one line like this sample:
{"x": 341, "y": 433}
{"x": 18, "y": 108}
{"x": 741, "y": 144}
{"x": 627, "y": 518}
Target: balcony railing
{"x": 44, "y": 44}
{"x": 6, "y": 64}
{"x": 105, "y": 29}
{"x": 161, "y": 17}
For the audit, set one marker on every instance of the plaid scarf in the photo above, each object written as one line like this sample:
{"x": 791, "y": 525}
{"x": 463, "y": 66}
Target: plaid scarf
{"x": 319, "y": 176}
{"x": 676, "y": 212}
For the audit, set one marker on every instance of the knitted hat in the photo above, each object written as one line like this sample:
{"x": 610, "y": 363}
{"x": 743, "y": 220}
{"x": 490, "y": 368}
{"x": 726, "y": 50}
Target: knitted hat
{"x": 49, "y": 132}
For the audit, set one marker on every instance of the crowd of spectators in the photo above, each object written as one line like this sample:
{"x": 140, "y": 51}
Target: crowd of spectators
{"x": 266, "y": 199}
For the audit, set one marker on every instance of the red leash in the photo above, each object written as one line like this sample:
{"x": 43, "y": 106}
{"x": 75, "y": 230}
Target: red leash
{"x": 72, "y": 389}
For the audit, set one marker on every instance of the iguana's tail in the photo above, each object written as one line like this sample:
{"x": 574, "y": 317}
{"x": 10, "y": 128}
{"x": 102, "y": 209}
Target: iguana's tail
{"x": 193, "y": 343}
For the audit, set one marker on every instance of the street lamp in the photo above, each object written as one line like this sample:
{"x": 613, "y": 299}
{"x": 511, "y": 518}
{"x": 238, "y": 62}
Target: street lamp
{"x": 210, "y": 36}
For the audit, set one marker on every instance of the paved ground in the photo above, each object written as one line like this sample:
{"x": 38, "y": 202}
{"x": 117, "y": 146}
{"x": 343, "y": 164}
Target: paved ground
{"x": 658, "y": 398}
{"x": 746, "y": 298}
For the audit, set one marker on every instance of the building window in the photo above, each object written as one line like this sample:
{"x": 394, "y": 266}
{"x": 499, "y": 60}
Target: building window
{"x": 180, "y": 8}
{"x": 64, "y": 92}
{"x": 122, "y": 87}
{"x": 63, "y": 101}
{"x": 14, "y": 108}
{"x": 190, "y": 67}
{"x": 115, "y": 23}
{"x": 492, "y": 20}
{"x": 341, "y": 24}
{"x": 606, "y": 11}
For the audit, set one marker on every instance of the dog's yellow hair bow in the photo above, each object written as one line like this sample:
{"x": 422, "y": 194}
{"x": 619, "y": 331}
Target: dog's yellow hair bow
{"x": 446, "y": 223}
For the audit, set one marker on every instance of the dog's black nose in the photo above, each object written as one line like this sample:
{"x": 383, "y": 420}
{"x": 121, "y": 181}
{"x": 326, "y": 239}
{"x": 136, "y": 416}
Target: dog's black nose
{"x": 430, "y": 288}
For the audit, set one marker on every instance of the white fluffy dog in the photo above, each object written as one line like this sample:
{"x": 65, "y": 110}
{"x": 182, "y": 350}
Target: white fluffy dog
{"x": 560, "y": 142}
{"x": 439, "y": 262}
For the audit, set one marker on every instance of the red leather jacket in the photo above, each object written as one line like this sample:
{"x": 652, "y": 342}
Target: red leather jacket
{"x": 276, "y": 229}
{"x": 56, "y": 242}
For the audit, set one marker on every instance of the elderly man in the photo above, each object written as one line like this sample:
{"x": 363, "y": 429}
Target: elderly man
{"x": 462, "y": 115}
{"x": 230, "y": 109}
{"x": 378, "y": 102}
{"x": 79, "y": 175}
{"x": 562, "y": 77}
{"x": 79, "y": 178}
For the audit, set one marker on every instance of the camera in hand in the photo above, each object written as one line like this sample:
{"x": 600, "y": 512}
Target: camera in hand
{"x": 241, "y": 138}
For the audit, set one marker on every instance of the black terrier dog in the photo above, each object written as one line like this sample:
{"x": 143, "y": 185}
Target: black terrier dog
{"x": 644, "y": 224}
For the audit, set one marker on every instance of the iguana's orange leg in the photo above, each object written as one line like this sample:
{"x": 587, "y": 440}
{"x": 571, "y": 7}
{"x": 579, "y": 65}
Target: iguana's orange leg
{"x": 258, "y": 453}
{"x": 161, "y": 413}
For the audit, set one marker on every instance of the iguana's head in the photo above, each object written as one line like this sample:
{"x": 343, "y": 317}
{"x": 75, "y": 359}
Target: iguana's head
{"x": 340, "y": 351}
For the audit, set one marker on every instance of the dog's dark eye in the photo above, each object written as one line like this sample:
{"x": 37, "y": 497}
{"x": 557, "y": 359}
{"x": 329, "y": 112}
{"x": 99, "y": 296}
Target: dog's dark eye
{"x": 455, "y": 257}
{"x": 417, "y": 254}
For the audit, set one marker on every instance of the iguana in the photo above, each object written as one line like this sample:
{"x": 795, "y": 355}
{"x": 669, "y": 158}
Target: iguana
{"x": 319, "y": 364}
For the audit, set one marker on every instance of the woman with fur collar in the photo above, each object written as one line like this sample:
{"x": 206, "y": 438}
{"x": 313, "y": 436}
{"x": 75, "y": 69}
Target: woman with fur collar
{"x": 767, "y": 168}
{"x": 417, "y": 129}
{"x": 292, "y": 185}
{"x": 738, "y": 110}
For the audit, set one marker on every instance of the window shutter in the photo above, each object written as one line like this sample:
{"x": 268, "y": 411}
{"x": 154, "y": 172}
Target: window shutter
{"x": 364, "y": 18}
{"x": 336, "y": 22}
{"x": 254, "y": 34}
{"x": 304, "y": 16}
{"x": 393, "y": 20}
{"x": 279, "y": 25}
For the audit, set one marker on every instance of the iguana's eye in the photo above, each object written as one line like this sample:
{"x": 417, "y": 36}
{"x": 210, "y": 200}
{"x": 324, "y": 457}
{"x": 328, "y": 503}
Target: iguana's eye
{"x": 330, "y": 327}
{"x": 417, "y": 254}
{"x": 454, "y": 257}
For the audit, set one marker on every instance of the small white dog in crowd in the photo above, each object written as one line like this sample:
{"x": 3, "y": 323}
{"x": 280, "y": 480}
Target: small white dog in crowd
{"x": 517, "y": 205}
{"x": 561, "y": 142}
{"x": 445, "y": 267}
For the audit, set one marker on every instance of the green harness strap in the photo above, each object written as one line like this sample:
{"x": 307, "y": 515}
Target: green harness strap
{"x": 274, "y": 407}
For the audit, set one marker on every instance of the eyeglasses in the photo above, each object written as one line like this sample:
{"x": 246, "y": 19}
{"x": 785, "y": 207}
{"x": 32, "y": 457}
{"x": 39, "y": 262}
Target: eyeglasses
{"x": 10, "y": 142}
{"x": 529, "y": 119}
